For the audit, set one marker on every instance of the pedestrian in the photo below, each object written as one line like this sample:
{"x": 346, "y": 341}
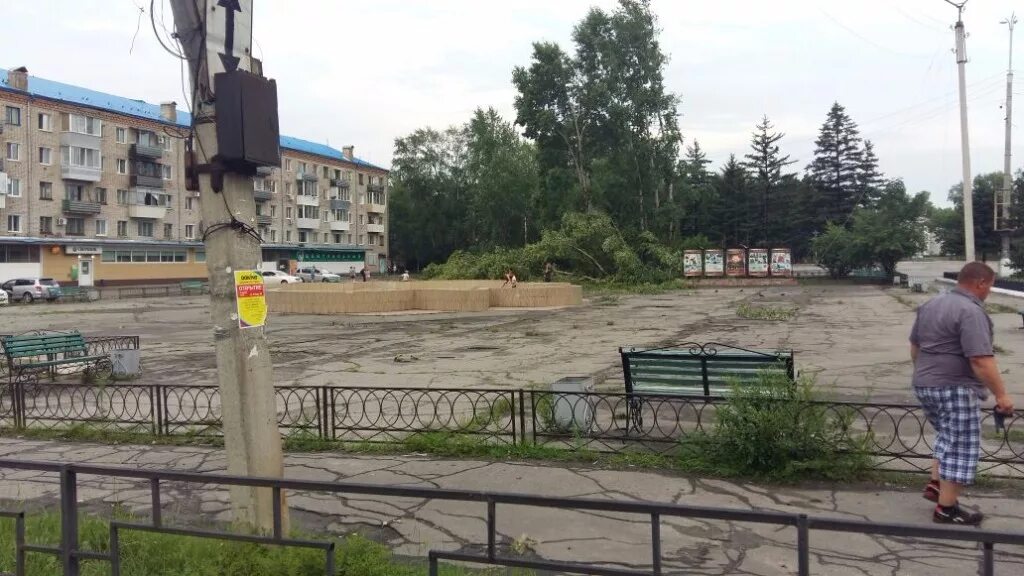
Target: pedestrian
{"x": 352, "y": 272}
{"x": 549, "y": 271}
{"x": 510, "y": 278}
{"x": 405, "y": 276}
{"x": 955, "y": 369}
{"x": 363, "y": 273}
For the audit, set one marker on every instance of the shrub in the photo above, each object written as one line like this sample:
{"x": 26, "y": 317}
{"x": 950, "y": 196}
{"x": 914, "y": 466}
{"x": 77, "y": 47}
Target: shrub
{"x": 774, "y": 430}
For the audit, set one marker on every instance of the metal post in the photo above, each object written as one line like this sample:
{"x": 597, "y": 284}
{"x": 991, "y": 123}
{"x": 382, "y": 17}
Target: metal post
{"x": 115, "y": 551}
{"x": 803, "y": 545}
{"x": 656, "y": 543}
{"x": 988, "y": 562}
{"x": 278, "y": 505}
{"x": 704, "y": 375}
{"x": 491, "y": 529}
{"x": 330, "y": 569}
{"x": 522, "y": 417}
{"x": 154, "y": 495}
{"x": 69, "y": 522}
{"x": 432, "y": 564}
{"x": 19, "y": 545}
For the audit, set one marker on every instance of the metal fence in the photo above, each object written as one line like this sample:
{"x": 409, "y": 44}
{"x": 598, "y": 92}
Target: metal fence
{"x": 896, "y": 435}
{"x": 94, "y": 346}
{"x": 70, "y": 552}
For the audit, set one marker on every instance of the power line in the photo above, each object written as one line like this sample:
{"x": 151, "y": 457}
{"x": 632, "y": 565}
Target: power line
{"x": 868, "y": 40}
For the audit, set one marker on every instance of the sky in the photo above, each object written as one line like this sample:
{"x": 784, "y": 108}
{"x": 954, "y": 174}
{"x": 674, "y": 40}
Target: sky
{"x": 367, "y": 72}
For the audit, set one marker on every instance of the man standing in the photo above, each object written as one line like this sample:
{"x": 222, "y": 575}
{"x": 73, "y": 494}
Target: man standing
{"x": 954, "y": 368}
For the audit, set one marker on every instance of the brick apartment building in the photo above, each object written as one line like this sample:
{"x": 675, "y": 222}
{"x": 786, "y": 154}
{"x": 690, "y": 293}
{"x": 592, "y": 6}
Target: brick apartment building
{"x": 88, "y": 175}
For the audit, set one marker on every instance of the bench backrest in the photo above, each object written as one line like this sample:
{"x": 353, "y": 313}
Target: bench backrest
{"x": 192, "y": 283}
{"x": 30, "y": 345}
{"x": 669, "y": 371}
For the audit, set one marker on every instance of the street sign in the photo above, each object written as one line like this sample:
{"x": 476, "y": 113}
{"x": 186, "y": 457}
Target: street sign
{"x": 250, "y": 297}
{"x": 229, "y": 37}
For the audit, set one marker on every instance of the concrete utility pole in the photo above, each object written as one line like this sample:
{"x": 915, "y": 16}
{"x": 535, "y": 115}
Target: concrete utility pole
{"x": 961, "y": 59}
{"x": 1004, "y": 198}
{"x": 216, "y": 36}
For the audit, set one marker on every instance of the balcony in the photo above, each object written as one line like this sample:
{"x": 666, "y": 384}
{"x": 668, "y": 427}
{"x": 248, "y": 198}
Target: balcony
{"x": 306, "y": 177}
{"x": 146, "y": 151}
{"x": 374, "y": 228}
{"x": 262, "y": 195}
{"x": 82, "y": 173}
{"x": 339, "y": 204}
{"x": 147, "y": 181}
{"x": 147, "y": 212}
{"x": 308, "y": 223}
{"x": 376, "y": 208}
{"x": 340, "y": 183}
{"x": 81, "y": 207}
{"x": 340, "y": 225}
{"x": 264, "y": 220}
{"x": 307, "y": 200}
{"x": 374, "y": 187}
{"x": 264, "y": 170}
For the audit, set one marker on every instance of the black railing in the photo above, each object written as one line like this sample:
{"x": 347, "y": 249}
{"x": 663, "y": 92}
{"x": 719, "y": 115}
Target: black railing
{"x": 71, "y": 554}
{"x": 896, "y": 435}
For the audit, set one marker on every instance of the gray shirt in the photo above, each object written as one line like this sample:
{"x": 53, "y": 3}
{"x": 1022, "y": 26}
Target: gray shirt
{"x": 950, "y": 330}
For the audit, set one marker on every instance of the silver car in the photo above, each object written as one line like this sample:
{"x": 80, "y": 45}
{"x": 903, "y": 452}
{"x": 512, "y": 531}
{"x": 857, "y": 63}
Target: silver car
{"x": 30, "y": 289}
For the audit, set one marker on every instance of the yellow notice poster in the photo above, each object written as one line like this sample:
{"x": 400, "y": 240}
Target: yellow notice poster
{"x": 251, "y": 299}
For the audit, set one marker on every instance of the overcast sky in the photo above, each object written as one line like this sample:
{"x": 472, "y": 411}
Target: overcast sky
{"x": 365, "y": 72}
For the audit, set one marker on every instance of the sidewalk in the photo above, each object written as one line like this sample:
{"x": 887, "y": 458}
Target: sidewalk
{"x": 413, "y": 526}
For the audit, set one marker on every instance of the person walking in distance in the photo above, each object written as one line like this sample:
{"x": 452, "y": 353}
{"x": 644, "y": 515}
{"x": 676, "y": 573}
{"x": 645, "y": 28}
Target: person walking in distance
{"x": 954, "y": 369}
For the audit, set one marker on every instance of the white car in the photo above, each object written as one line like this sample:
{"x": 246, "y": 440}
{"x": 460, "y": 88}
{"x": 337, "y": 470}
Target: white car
{"x": 314, "y": 274}
{"x": 278, "y": 277}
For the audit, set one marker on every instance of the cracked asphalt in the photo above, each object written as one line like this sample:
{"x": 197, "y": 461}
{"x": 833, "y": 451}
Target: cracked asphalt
{"x": 852, "y": 338}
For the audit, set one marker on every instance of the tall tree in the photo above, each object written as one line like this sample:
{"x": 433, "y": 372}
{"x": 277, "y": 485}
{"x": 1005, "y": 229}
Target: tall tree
{"x": 834, "y": 172}
{"x": 766, "y": 163}
{"x": 870, "y": 180}
{"x": 732, "y": 206}
{"x": 986, "y": 241}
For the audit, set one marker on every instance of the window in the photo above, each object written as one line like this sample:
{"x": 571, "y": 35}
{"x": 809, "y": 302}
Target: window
{"x": 75, "y": 227}
{"x": 273, "y": 210}
{"x": 287, "y": 211}
{"x": 168, "y": 231}
{"x": 122, "y": 166}
{"x": 361, "y": 218}
{"x": 101, "y": 195}
{"x": 287, "y": 163}
{"x": 84, "y": 125}
{"x": 326, "y": 173}
{"x": 165, "y": 142}
{"x": 122, "y": 197}
{"x": 337, "y": 238}
{"x": 46, "y": 190}
{"x": 312, "y": 212}
{"x": 122, "y": 228}
{"x": 341, "y": 216}
{"x": 13, "y": 116}
{"x": 362, "y": 240}
{"x": 302, "y": 236}
{"x": 74, "y": 192}
{"x": 190, "y": 231}
{"x": 45, "y": 155}
{"x": 45, "y": 225}
{"x": 14, "y": 187}
{"x": 13, "y": 151}
{"x": 124, "y": 256}
{"x": 144, "y": 229}
{"x": 200, "y": 256}
{"x": 302, "y": 167}
{"x": 287, "y": 235}
{"x": 101, "y": 227}
{"x": 84, "y": 157}
{"x": 381, "y": 237}
{"x": 166, "y": 171}
{"x": 121, "y": 135}
{"x": 13, "y": 223}
{"x": 326, "y": 216}
{"x": 288, "y": 188}
{"x": 189, "y": 203}
{"x": 349, "y": 238}
{"x": 273, "y": 235}
{"x": 44, "y": 122}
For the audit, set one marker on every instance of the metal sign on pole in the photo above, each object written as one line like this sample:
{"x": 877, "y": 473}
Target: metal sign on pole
{"x": 228, "y": 37}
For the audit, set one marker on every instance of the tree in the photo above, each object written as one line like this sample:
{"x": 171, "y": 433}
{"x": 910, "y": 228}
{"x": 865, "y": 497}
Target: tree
{"x": 836, "y": 171}
{"x": 733, "y": 205}
{"x": 870, "y": 180}
{"x": 987, "y": 242}
{"x": 892, "y": 231}
{"x": 765, "y": 163}
{"x": 836, "y": 251}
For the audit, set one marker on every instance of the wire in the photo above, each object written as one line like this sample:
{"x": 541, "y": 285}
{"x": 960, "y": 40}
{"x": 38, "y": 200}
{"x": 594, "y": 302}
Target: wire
{"x": 138, "y": 26}
{"x": 152, "y": 19}
{"x": 868, "y": 40}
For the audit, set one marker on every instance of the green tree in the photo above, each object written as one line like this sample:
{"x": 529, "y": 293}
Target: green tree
{"x": 765, "y": 163}
{"x": 836, "y": 171}
{"x": 733, "y": 207}
{"x": 892, "y": 231}
{"x": 836, "y": 250}
{"x": 870, "y": 181}
{"x": 987, "y": 242}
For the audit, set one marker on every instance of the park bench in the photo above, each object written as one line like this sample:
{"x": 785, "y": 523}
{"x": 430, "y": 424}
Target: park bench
{"x": 193, "y": 287}
{"x": 34, "y": 354}
{"x": 76, "y": 293}
{"x": 694, "y": 370}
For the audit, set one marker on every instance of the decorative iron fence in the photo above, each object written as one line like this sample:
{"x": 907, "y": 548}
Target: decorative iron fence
{"x": 897, "y": 435}
{"x": 70, "y": 552}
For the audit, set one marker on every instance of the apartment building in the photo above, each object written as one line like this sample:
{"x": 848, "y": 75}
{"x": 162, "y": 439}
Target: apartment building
{"x": 93, "y": 176}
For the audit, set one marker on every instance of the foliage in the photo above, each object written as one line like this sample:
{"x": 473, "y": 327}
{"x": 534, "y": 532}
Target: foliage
{"x": 765, "y": 163}
{"x": 948, "y": 224}
{"x": 894, "y": 230}
{"x": 749, "y": 312}
{"x": 836, "y": 251}
{"x": 774, "y": 430}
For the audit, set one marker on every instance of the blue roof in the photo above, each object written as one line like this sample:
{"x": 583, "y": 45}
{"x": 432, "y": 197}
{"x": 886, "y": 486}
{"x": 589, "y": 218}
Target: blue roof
{"x": 52, "y": 90}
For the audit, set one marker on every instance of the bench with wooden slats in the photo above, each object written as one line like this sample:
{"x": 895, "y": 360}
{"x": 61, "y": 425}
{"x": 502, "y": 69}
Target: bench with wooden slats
{"x": 695, "y": 370}
{"x": 193, "y": 287}
{"x": 36, "y": 353}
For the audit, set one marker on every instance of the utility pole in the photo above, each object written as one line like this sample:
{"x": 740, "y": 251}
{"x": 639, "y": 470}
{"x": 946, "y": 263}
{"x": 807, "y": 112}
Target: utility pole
{"x": 235, "y": 129}
{"x": 961, "y": 59}
{"x": 1004, "y": 198}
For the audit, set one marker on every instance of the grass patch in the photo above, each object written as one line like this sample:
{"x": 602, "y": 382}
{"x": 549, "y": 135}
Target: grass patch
{"x": 151, "y": 554}
{"x": 993, "y": 308}
{"x": 776, "y": 313}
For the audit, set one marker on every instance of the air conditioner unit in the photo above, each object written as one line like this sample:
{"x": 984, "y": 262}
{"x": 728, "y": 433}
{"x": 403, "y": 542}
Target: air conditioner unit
{"x": 62, "y": 221}
{"x": 195, "y": 194}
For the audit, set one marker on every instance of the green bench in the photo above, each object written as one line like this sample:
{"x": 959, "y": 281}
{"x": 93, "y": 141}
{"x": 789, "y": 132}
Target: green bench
{"x": 32, "y": 355}
{"x": 74, "y": 293}
{"x": 695, "y": 370}
{"x": 193, "y": 287}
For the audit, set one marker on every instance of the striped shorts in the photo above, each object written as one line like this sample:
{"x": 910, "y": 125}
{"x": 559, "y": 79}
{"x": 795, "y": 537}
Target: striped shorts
{"x": 953, "y": 412}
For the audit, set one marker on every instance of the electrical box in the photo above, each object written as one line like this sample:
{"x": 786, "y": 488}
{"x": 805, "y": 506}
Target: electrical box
{"x": 248, "y": 133}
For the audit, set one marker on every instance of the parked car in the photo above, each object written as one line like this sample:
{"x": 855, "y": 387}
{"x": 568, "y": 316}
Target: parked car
{"x": 29, "y": 289}
{"x": 314, "y": 274}
{"x": 272, "y": 276}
